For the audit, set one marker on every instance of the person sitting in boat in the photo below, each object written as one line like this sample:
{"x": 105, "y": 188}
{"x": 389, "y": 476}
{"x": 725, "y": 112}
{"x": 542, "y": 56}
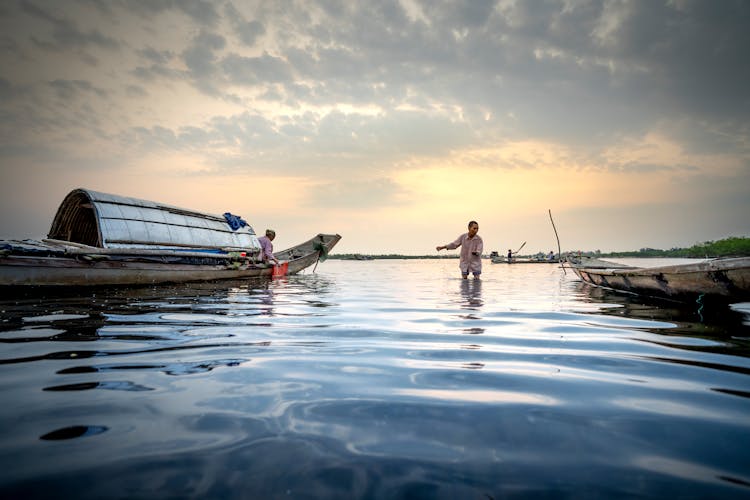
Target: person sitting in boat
{"x": 471, "y": 251}
{"x": 266, "y": 247}
{"x": 551, "y": 255}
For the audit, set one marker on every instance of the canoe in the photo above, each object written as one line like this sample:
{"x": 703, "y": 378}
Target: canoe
{"x": 104, "y": 239}
{"x": 724, "y": 278}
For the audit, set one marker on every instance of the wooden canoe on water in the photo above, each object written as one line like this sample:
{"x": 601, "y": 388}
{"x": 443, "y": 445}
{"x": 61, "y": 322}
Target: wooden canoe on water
{"x": 103, "y": 239}
{"x": 726, "y": 278}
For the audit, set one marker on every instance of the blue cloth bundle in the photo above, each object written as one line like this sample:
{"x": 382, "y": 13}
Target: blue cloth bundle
{"x": 234, "y": 221}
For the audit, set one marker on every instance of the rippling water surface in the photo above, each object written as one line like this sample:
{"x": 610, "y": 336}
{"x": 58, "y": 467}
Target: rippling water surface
{"x": 374, "y": 379}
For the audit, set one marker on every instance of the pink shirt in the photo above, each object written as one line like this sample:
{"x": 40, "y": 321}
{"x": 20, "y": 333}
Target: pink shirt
{"x": 266, "y": 248}
{"x": 469, "y": 262}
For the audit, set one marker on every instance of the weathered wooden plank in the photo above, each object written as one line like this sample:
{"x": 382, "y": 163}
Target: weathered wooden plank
{"x": 720, "y": 277}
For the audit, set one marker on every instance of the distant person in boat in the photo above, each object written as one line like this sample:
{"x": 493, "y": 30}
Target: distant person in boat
{"x": 551, "y": 255}
{"x": 510, "y": 255}
{"x": 471, "y": 251}
{"x": 266, "y": 247}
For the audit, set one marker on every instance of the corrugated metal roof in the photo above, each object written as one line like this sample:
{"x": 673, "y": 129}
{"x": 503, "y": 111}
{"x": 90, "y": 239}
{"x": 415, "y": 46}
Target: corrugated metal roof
{"x": 112, "y": 221}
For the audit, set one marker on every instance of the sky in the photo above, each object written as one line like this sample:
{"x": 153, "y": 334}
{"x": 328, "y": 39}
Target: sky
{"x": 393, "y": 123}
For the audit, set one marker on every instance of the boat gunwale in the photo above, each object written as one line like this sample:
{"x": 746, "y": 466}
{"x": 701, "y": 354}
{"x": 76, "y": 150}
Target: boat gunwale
{"x": 724, "y": 278}
{"x": 692, "y": 267}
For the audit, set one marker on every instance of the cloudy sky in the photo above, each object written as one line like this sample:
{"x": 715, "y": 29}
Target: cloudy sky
{"x": 390, "y": 122}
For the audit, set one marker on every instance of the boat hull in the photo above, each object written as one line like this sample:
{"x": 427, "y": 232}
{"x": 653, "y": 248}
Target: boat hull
{"x": 105, "y": 268}
{"x": 721, "y": 278}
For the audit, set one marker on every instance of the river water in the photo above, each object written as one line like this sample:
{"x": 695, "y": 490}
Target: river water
{"x": 373, "y": 379}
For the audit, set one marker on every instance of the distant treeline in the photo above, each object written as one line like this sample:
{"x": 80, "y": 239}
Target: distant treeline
{"x": 729, "y": 247}
{"x": 359, "y": 256}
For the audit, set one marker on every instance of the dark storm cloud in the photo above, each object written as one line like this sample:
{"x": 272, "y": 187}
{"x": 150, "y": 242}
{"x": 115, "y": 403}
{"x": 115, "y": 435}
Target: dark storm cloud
{"x": 586, "y": 74}
{"x": 332, "y": 142}
{"x": 9, "y": 46}
{"x": 156, "y": 65}
{"x": 247, "y": 31}
{"x": 256, "y": 70}
{"x": 201, "y": 60}
{"x": 156, "y": 56}
{"x": 538, "y": 62}
{"x": 246, "y": 130}
{"x": 201, "y": 11}
{"x": 6, "y": 90}
{"x": 634, "y": 167}
{"x": 135, "y": 91}
{"x": 561, "y": 71}
{"x": 70, "y": 89}
{"x": 200, "y": 56}
{"x": 692, "y": 55}
{"x": 156, "y": 137}
{"x": 65, "y": 33}
{"x": 155, "y": 71}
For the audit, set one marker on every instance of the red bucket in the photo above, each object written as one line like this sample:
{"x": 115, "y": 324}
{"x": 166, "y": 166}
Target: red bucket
{"x": 280, "y": 270}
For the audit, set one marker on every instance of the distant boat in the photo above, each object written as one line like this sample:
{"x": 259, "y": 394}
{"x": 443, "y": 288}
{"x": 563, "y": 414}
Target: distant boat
{"x": 504, "y": 260}
{"x": 727, "y": 278}
{"x": 105, "y": 239}
{"x": 359, "y": 256}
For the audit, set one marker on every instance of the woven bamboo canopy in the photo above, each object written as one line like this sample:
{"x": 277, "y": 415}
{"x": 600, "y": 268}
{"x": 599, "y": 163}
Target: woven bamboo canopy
{"x": 111, "y": 221}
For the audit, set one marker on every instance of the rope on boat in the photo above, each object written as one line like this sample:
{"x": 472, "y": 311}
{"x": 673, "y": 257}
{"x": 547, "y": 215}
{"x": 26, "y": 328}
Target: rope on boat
{"x": 320, "y": 247}
{"x": 322, "y": 250}
{"x": 699, "y": 301}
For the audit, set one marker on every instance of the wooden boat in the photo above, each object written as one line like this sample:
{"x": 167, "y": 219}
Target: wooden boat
{"x": 504, "y": 260}
{"x": 104, "y": 239}
{"x": 725, "y": 278}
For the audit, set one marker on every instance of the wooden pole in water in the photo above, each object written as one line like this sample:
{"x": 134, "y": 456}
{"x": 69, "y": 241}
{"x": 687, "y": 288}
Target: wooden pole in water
{"x": 559, "y": 252}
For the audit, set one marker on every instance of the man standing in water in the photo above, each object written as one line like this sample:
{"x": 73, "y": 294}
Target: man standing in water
{"x": 471, "y": 251}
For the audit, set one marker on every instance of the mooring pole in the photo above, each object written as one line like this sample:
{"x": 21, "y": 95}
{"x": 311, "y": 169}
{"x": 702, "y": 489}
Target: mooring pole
{"x": 559, "y": 252}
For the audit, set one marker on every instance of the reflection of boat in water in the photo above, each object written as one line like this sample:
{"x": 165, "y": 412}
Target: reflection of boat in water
{"x": 691, "y": 318}
{"x": 104, "y": 239}
{"x": 727, "y": 278}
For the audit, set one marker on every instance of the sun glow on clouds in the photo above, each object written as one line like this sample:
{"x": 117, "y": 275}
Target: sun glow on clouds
{"x": 180, "y": 180}
{"x": 524, "y": 176}
{"x": 656, "y": 151}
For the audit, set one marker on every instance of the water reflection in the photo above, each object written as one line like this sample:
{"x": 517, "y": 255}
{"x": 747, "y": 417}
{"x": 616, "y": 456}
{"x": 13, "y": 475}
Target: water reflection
{"x": 471, "y": 293}
{"x": 714, "y": 321}
{"x": 481, "y": 396}
{"x": 471, "y": 300}
{"x": 264, "y": 292}
{"x": 361, "y": 383}
{"x": 73, "y": 432}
